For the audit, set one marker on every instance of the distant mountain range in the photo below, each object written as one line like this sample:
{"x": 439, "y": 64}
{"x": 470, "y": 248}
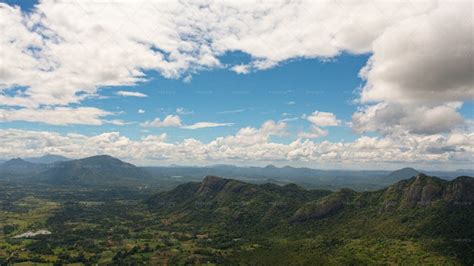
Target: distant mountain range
{"x": 106, "y": 170}
{"x": 47, "y": 159}
{"x": 307, "y": 177}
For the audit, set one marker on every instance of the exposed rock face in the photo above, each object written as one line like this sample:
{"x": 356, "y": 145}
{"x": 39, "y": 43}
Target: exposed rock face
{"x": 460, "y": 191}
{"x": 211, "y": 184}
{"x": 424, "y": 191}
{"x": 323, "y": 207}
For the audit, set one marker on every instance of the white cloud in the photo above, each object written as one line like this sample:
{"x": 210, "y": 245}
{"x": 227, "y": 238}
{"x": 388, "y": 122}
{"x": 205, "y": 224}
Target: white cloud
{"x": 154, "y": 138}
{"x": 240, "y": 69}
{"x": 141, "y": 111}
{"x": 419, "y": 74}
{"x": 252, "y": 146}
{"x": 323, "y": 119}
{"x": 419, "y": 71}
{"x": 57, "y": 115}
{"x": 315, "y": 132}
{"x": 131, "y": 94}
{"x": 116, "y": 122}
{"x": 258, "y": 64}
{"x": 318, "y": 120}
{"x": 169, "y": 121}
{"x": 424, "y": 59}
{"x": 188, "y": 79}
{"x": 64, "y": 59}
{"x": 175, "y": 121}
{"x": 289, "y": 119}
{"x": 390, "y": 118}
{"x": 200, "y": 125}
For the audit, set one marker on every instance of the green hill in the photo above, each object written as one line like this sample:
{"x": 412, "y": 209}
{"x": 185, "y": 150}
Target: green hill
{"x": 420, "y": 220}
{"x": 19, "y": 168}
{"x": 226, "y": 203}
{"x": 95, "y": 170}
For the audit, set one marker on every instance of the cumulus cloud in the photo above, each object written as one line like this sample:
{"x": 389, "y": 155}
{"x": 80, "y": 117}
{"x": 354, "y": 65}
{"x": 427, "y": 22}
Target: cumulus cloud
{"x": 424, "y": 59}
{"x": 141, "y": 111}
{"x": 323, "y": 119}
{"x": 131, "y": 94}
{"x": 169, "y": 121}
{"x": 241, "y": 69}
{"x": 319, "y": 119}
{"x": 389, "y": 118}
{"x": 250, "y": 145}
{"x": 315, "y": 132}
{"x": 419, "y": 74}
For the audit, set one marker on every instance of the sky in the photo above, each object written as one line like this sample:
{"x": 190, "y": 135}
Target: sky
{"x": 326, "y": 84}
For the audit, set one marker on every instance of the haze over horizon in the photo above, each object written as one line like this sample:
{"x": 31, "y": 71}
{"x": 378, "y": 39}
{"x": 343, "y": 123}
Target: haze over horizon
{"x": 370, "y": 85}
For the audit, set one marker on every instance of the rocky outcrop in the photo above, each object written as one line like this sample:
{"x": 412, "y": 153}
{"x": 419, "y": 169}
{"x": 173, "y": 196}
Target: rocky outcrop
{"x": 424, "y": 191}
{"x": 324, "y": 207}
{"x": 210, "y": 185}
{"x": 460, "y": 191}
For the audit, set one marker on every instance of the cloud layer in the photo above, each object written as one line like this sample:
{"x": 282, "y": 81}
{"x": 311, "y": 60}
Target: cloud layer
{"x": 63, "y": 59}
{"x": 250, "y": 146}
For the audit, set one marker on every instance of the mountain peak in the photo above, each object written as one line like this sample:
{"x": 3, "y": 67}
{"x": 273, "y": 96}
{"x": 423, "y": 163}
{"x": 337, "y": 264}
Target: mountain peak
{"x": 211, "y": 184}
{"x": 15, "y": 161}
{"x": 47, "y": 159}
{"x": 98, "y": 169}
{"x": 270, "y": 166}
{"x": 400, "y": 174}
{"x": 103, "y": 159}
{"x": 100, "y": 157}
{"x": 421, "y": 176}
{"x": 18, "y": 166}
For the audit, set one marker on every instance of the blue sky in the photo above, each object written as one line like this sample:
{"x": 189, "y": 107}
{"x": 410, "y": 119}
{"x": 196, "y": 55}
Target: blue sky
{"x": 290, "y": 90}
{"x": 290, "y": 84}
{"x": 287, "y": 91}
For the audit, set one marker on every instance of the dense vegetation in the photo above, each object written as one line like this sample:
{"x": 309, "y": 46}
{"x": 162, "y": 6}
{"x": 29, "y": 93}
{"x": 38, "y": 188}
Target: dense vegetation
{"x": 422, "y": 219}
